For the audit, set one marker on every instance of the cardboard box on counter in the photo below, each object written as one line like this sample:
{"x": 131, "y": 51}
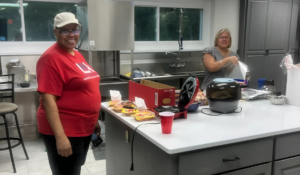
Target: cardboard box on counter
{"x": 154, "y": 94}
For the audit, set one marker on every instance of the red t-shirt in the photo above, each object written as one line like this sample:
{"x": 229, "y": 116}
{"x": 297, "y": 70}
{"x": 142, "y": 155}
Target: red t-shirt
{"x": 76, "y": 86}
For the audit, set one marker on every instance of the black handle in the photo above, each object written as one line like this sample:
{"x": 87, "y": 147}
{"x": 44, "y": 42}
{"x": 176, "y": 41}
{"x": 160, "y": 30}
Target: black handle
{"x": 231, "y": 160}
{"x": 267, "y": 52}
{"x": 181, "y": 44}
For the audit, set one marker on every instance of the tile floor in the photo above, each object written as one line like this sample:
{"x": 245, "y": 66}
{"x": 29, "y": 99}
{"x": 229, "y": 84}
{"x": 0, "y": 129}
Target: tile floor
{"x": 38, "y": 161}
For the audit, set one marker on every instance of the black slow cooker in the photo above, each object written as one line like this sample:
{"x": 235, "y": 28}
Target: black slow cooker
{"x": 223, "y": 95}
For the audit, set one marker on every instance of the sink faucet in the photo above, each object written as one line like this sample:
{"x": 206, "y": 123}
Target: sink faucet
{"x": 178, "y": 65}
{"x": 173, "y": 64}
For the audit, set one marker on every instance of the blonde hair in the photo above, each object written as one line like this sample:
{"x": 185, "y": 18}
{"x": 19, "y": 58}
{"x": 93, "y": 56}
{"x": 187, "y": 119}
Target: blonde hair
{"x": 219, "y": 33}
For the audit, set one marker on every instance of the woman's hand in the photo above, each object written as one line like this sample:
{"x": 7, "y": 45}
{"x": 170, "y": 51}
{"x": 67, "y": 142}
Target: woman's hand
{"x": 233, "y": 59}
{"x": 97, "y": 129}
{"x": 63, "y": 145}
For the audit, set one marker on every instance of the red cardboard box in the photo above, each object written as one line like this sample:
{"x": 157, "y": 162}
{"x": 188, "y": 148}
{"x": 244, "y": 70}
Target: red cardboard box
{"x": 154, "y": 94}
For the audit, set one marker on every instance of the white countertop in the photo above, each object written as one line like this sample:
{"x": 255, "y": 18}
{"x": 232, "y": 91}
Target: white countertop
{"x": 258, "y": 119}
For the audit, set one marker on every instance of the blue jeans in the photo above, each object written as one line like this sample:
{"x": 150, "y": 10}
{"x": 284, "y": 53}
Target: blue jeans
{"x": 67, "y": 165}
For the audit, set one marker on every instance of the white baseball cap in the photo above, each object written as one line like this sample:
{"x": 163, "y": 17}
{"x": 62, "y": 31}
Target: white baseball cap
{"x": 65, "y": 18}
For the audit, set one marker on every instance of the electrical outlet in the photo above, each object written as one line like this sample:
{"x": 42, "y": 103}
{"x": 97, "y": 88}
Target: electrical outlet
{"x": 127, "y": 135}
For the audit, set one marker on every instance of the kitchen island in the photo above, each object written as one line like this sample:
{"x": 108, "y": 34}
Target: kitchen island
{"x": 262, "y": 139}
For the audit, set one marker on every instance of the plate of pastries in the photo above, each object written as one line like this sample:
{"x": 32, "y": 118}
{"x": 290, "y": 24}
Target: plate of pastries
{"x": 129, "y": 109}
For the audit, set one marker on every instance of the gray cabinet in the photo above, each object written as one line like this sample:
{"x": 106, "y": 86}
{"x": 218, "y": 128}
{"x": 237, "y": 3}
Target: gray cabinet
{"x": 270, "y": 33}
{"x": 257, "y": 170}
{"x": 256, "y": 27}
{"x": 226, "y": 158}
{"x": 293, "y": 31}
{"x": 287, "y": 146}
{"x": 278, "y": 26}
{"x": 287, "y": 167}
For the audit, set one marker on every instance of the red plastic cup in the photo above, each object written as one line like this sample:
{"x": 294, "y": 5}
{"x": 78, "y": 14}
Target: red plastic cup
{"x": 166, "y": 119}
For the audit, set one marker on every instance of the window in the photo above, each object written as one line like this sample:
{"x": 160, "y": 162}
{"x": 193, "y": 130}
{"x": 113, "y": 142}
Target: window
{"x": 169, "y": 24}
{"x": 39, "y": 18}
{"x": 169, "y": 18}
{"x": 10, "y": 21}
{"x": 145, "y": 23}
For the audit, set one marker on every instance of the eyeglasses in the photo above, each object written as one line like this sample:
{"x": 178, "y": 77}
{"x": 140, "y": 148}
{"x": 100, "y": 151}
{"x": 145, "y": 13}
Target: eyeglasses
{"x": 68, "y": 32}
{"x": 224, "y": 37}
{"x": 223, "y": 30}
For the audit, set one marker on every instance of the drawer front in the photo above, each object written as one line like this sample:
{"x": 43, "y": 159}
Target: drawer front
{"x": 226, "y": 158}
{"x": 287, "y": 145}
{"x": 287, "y": 166}
{"x": 264, "y": 169}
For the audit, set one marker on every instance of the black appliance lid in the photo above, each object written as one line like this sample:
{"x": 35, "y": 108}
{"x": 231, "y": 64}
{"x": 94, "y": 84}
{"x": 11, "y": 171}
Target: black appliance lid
{"x": 223, "y": 89}
{"x": 188, "y": 91}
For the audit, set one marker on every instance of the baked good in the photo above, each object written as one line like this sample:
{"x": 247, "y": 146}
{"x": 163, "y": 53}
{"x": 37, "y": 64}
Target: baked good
{"x": 129, "y": 104}
{"x": 129, "y": 111}
{"x": 144, "y": 115}
{"x": 201, "y": 98}
{"x": 113, "y": 102}
{"x": 117, "y": 108}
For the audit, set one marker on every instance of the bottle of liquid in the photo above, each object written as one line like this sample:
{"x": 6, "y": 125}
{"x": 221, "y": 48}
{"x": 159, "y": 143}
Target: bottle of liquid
{"x": 269, "y": 86}
{"x": 27, "y": 76}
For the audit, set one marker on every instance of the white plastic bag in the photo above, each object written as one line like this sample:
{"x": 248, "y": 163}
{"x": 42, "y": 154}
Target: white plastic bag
{"x": 115, "y": 95}
{"x": 286, "y": 63}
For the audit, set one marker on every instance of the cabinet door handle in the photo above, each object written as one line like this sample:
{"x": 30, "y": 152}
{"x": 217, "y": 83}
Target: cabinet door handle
{"x": 231, "y": 160}
{"x": 267, "y": 52}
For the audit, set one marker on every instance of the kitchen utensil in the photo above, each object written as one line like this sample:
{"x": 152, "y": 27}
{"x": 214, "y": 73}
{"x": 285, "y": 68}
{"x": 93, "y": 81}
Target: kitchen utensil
{"x": 278, "y": 100}
{"x": 223, "y": 95}
{"x": 187, "y": 96}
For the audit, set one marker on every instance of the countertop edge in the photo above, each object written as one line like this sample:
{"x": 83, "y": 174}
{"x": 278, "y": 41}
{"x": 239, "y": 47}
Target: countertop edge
{"x": 202, "y": 146}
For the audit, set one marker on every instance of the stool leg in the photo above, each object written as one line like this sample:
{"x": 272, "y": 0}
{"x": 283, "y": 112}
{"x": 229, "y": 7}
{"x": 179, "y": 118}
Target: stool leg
{"x": 8, "y": 142}
{"x": 21, "y": 139}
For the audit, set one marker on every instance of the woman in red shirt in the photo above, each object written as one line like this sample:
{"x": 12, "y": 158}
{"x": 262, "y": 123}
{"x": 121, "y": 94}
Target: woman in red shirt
{"x": 69, "y": 99}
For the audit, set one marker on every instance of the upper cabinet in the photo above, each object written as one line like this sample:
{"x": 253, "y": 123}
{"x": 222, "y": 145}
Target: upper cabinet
{"x": 278, "y": 25}
{"x": 267, "y": 33}
{"x": 268, "y": 26}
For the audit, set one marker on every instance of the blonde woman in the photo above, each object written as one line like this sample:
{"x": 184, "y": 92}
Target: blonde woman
{"x": 217, "y": 58}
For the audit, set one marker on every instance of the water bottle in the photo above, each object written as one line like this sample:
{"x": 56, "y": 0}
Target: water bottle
{"x": 27, "y": 76}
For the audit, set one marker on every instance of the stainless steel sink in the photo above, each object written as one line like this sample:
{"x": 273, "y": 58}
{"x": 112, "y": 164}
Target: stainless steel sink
{"x": 111, "y": 80}
{"x": 179, "y": 73}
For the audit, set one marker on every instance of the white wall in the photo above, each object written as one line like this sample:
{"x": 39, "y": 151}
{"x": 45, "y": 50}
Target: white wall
{"x": 226, "y": 15}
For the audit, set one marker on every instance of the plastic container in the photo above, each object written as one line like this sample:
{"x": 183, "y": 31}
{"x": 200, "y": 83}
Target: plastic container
{"x": 261, "y": 82}
{"x": 166, "y": 119}
{"x": 278, "y": 100}
{"x": 270, "y": 88}
{"x": 27, "y": 76}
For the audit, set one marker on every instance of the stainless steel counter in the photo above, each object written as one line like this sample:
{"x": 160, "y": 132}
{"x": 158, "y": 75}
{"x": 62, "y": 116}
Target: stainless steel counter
{"x": 168, "y": 76}
{"x": 31, "y": 88}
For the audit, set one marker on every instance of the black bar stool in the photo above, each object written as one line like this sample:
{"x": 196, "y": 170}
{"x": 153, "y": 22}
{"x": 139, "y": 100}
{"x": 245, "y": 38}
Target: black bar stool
{"x": 10, "y": 108}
